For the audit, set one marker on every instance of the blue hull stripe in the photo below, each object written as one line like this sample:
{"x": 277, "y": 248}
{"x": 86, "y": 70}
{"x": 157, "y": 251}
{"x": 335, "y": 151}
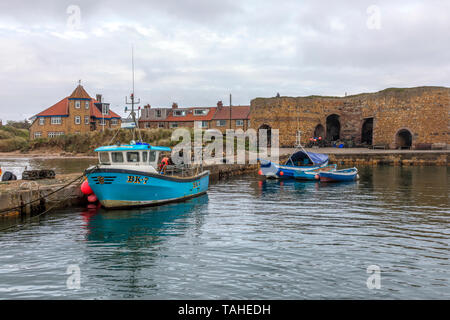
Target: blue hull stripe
{"x": 124, "y": 188}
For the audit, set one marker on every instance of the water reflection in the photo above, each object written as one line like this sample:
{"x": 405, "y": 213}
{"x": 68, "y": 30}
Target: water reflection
{"x": 132, "y": 241}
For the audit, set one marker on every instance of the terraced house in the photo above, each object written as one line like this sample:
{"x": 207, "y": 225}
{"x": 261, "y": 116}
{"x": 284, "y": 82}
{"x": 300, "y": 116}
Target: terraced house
{"x": 219, "y": 117}
{"x": 77, "y": 113}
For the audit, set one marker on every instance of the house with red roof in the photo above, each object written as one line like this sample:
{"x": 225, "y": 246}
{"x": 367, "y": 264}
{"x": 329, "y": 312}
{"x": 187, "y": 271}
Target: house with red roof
{"x": 231, "y": 117}
{"x": 192, "y": 117}
{"x": 77, "y": 113}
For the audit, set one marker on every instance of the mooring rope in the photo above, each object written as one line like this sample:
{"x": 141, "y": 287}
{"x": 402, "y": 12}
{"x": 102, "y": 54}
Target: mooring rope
{"x": 42, "y": 197}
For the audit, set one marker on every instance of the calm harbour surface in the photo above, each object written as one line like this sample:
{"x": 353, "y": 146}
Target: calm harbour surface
{"x": 246, "y": 239}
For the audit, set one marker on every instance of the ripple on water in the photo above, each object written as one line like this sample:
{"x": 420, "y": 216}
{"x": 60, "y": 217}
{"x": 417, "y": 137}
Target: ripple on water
{"x": 247, "y": 239}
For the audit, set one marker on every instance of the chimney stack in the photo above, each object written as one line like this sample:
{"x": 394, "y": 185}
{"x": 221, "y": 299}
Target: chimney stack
{"x": 174, "y": 105}
{"x": 98, "y": 97}
{"x": 219, "y": 105}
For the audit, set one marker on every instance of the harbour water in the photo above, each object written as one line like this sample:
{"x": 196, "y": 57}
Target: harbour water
{"x": 246, "y": 239}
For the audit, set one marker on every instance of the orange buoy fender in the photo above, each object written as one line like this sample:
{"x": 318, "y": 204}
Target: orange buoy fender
{"x": 86, "y": 189}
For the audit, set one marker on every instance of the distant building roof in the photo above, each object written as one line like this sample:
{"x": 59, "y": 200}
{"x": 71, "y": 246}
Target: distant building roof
{"x": 97, "y": 113}
{"x": 60, "y": 108}
{"x": 79, "y": 93}
{"x": 237, "y": 113}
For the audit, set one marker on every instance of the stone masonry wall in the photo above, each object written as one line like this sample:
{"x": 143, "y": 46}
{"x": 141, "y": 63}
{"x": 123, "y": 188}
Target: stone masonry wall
{"x": 423, "y": 111}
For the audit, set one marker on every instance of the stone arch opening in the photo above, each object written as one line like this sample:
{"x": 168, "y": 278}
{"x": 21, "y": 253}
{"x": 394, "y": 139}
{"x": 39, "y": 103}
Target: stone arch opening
{"x": 333, "y": 127}
{"x": 403, "y": 139}
{"x": 367, "y": 131}
{"x": 269, "y": 133}
{"x": 319, "y": 131}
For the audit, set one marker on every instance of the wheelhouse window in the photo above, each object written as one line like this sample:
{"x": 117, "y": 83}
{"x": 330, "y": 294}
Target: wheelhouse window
{"x": 133, "y": 157}
{"x": 104, "y": 158}
{"x": 152, "y": 156}
{"x": 117, "y": 157}
{"x": 144, "y": 156}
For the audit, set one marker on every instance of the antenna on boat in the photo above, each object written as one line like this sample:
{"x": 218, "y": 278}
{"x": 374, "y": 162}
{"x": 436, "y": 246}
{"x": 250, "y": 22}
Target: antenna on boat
{"x": 133, "y": 102}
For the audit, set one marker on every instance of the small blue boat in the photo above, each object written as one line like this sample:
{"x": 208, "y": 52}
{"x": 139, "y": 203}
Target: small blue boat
{"x": 314, "y": 173}
{"x": 350, "y": 174}
{"x": 295, "y": 166}
{"x": 129, "y": 176}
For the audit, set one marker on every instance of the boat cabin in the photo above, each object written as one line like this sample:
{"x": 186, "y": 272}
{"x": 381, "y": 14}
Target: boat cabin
{"x": 141, "y": 155}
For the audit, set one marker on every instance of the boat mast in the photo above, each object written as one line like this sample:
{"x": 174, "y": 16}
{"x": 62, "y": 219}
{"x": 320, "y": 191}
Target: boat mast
{"x": 133, "y": 102}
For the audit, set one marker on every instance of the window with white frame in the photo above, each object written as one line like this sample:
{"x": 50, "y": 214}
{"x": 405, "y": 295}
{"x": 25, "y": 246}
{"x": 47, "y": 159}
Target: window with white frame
{"x": 204, "y": 124}
{"x": 160, "y": 124}
{"x": 221, "y": 123}
{"x": 86, "y": 119}
{"x": 55, "y": 120}
{"x": 41, "y": 121}
{"x": 77, "y": 120}
{"x": 114, "y": 122}
{"x": 37, "y": 134}
{"x": 239, "y": 123}
{"x": 55, "y": 134}
{"x": 86, "y": 105}
{"x": 179, "y": 113}
{"x": 200, "y": 112}
{"x": 102, "y": 122}
{"x": 77, "y": 104}
{"x": 174, "y": 124}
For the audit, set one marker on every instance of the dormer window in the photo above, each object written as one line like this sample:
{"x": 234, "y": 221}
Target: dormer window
{"x": 77, "y": 104}
{"x": 105, "y": 109}
{"x": 200, "y": 112}
{"x": 179, "y": 113}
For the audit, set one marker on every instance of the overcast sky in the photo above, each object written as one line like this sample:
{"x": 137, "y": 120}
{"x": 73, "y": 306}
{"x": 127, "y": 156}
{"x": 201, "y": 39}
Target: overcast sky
{"x": 196, "y": 52}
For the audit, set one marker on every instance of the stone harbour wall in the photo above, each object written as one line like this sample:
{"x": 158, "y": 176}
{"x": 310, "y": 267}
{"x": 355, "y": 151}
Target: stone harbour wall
{"x": 410, "y": 118}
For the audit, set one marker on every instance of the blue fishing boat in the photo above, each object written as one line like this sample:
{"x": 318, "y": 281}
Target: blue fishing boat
{"x": 313, "y": 174}
{"x": 298, "y": 163}
{"x": 133, "y": 175}
{"x": 349, "y": 174}
{"x": 130, "y": 175}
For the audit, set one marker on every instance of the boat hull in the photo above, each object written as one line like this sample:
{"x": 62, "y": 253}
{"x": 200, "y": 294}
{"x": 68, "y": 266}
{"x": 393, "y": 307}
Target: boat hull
{"x": 274, "y": 170}
{"x": 314, "y": 173}
{"x": 119, "y": 188}
{"x": 339, "y": 175}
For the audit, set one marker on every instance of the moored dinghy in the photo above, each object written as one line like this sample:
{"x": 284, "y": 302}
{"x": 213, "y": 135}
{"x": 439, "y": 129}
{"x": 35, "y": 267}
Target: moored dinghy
{"x": 313, "y": 174}
{"x": 349, "y": 174}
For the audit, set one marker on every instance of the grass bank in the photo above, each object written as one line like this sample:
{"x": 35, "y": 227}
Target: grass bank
{"x": 13, "y": 139}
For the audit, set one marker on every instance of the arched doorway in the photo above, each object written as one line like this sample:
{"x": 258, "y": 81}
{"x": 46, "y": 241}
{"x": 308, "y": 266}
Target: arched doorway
{"x": 367, "y": 131}
{"x": 319, "y": 131}
{"x": 403, "y": 139}
{"x": 333, "y": 127}
{"x": 269, "y": 133}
